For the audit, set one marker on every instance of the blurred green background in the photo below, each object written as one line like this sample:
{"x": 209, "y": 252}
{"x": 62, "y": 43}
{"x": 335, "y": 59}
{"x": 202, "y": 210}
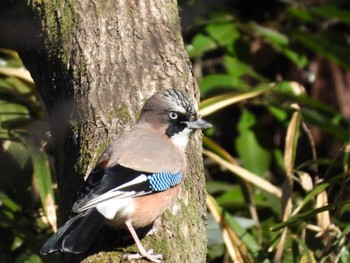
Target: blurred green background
{"x": 275, "y": 83}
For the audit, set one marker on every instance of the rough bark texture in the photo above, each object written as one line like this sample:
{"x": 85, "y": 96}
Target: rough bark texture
{"x": 95, "y": 62}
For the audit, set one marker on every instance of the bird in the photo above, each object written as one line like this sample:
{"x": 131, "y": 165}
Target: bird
{"x": 137, "y": 177}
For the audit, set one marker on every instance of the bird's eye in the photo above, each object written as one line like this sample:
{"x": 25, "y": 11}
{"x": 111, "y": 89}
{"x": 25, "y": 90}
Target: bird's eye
{"x": 173, "y": 115}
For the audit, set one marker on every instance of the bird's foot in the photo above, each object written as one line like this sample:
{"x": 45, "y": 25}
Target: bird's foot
{"x": 156, "y": 258}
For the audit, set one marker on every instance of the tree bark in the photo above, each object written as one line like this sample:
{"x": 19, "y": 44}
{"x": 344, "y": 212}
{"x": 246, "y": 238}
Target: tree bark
{"x": 95, "y": 62}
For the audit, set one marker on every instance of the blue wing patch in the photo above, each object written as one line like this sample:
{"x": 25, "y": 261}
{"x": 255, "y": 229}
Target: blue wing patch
{"x": 120, "y": 182}
{"x": 164, "y": 180}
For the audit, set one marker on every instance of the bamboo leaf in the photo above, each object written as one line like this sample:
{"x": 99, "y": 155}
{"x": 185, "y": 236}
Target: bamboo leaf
{"x": 8, "y": 202}
{"x": 302, "y": 217}
{"x": 214, "y": 104}
{"x": 287, "y": 188}
{"x": 291, "y": 142}
{"x": 332, "y": 12}
{"x": 310, "y": 197}
{"x": 245, "y": 174}
{"x": 43, "y": 180}
{"x": 235, "y": 246}
{"x": 211, "y": 145}
{"x": 215, "y": 81}
{"x": 18, "y": 73}
{"x": 323, "y": 219}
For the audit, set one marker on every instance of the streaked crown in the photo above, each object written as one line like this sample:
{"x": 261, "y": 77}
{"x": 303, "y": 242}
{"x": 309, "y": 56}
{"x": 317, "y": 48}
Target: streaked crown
{"x": 173, "y": 114}
{"x": 179, "y": 101}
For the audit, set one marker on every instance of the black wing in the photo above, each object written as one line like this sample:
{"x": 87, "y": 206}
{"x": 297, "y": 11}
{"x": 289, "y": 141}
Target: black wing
{"x": 119, "y": 182}
{"x": 104, "y": 184}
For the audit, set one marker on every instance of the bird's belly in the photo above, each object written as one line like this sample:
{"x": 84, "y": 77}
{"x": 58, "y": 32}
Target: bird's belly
{"x": 148, "y": 208}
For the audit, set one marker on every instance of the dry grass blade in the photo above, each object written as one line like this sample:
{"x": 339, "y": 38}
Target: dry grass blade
{"x": 323, "y": 219}
{"x": 20, "y": 73}
{"x": 291, "y": 142}
{"x": 216, "y": 103}
{"x": 248, "y": 188}
{"x": 245, "y": 174}
{"x": 9, "y": 52}
{"x": 236, "y": 248}
{"x": 287, "y": 189}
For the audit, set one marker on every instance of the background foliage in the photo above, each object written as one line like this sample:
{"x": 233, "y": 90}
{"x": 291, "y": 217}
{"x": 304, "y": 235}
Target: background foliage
{"x": 274, "y": 76}
{"x": 26, "y": 189}
{"x": 275, "y": 82}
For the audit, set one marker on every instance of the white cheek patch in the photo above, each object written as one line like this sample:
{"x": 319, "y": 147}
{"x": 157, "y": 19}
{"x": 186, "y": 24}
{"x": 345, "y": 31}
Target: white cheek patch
{"x": 181, "y": 139}
{"x": 116, "y": 208}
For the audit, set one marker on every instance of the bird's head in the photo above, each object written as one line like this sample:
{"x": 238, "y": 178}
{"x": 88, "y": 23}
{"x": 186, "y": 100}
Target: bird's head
{"x": 174, "y": 114}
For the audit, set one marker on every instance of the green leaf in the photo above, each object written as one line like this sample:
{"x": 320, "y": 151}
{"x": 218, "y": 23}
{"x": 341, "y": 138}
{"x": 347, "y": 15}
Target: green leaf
{"x": 281, "y": 42}
{"x": 310, "y": 197}
{"x": 18, "y": 152}
{"x": 344, "y": 256}
{"x": 17, "y": 242}
{"x": 332, "y": 12}
{"x": 325, "y": 123}
{"x": 233, "y": 199}
{"x": 237, "y": 68}
{"x": 28, "y": 257}
{"x": 234, "y": 241}
{"x": 298, "y": 59}
{"x": 287, "y": 90}
{"x": 304, "y": 250}
{"x": 8, "y": 202}
{"x": 42, "y": 175}
{"x": 247, "y": 239}
{"x": 10, "y": 111}
{"x": 200, "y": 44}
{"x": 278, "y": 113}
{"x": 290, "y": 87}
{"x": 214, "y": 232}
{"x": 343, "y": 235}
{"x": 223, "y": 33}
{"x": 314, "y": 111}
{"x": 220, "y": 16}
{"x": 255, "y": 157}
{"x": 331, "y": 44}
{"x": 272, "y": 35}
{"x": 304, "y": 217}
{"x": 218, "y": 186}
{"x": 300, "y": 14}
{"x": 215, "y": 81}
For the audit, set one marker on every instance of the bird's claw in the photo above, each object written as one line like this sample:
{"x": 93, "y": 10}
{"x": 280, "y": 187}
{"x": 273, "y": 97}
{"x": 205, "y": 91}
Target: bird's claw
{"x": 156, "y": 258}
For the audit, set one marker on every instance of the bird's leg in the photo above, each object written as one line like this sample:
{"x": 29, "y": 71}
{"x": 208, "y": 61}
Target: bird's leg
{"x": 157, "y": 258}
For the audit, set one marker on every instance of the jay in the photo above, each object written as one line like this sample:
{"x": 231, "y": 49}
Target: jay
{"x": 136, "y": 179}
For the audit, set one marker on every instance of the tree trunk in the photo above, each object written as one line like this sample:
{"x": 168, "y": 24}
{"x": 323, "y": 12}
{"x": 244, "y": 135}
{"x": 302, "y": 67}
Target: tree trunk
{"x": 95, "y": 62}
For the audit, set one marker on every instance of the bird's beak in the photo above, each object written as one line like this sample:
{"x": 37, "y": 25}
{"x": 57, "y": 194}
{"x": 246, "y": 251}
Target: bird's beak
{"x": 198, "y": 124}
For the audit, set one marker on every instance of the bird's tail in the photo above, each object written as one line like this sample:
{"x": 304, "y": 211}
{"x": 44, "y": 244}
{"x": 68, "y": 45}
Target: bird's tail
{"x": 76, "y": 235}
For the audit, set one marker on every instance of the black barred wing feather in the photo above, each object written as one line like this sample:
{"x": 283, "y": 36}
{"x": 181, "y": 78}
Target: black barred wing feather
{"x": 162, "y": 181}
{"x": 119, "y": 182}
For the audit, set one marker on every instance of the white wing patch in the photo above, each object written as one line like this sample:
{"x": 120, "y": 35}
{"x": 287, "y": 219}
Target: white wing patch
{"x": 115, "y": 207}
{"x": 114, "y": 196}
